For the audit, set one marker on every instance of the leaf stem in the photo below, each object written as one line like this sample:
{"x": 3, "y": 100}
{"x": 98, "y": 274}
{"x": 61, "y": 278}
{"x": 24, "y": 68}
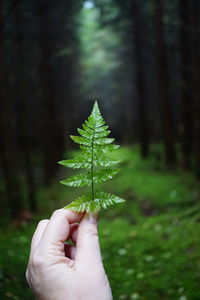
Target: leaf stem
{"x": 92, "y": 166}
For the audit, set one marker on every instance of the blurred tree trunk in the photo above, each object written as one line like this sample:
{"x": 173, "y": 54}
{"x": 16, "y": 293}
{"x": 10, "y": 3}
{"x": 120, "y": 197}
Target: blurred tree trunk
{"x": 126, "y": 133}
{"x": 195, "y": 46}
{"x": 55, "y": 29}
{"x": 164, "y": 85}
{"x": 47, "y": 43}
{"x": 186, "y": 78}
{"x": 140, "y": 80}
{"x": 23, "y": 104}
{"x": 8, "y": 146}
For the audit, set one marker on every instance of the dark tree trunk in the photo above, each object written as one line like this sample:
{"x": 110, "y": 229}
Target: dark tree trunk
{"x": 53, "y": 109}
{"x": 8, "y": 147}
{"x": 140, "y": 80}
{"x": 164, "y": 86}
{"x": 126, "y": 132}
{"x": 47, "y": 48}
{"x": 195, "y": 46}
{"x": 186, "y": 84}
{"x": 23, "y": 108}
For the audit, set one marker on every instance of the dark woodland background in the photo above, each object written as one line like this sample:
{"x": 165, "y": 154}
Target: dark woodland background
{"x": 139, "y": 58}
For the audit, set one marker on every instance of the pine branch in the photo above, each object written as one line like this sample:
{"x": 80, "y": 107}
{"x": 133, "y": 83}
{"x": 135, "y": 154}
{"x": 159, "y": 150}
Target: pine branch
{"x": 95, "y": 146}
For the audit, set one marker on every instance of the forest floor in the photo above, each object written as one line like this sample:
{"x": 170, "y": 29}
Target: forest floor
{"x": 150, "y": 244}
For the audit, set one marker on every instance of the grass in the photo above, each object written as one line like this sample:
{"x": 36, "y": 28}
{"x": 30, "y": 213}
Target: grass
{"x": 150, "y": 244}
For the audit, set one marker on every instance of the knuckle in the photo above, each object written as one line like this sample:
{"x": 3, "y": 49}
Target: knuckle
{"x": 90, "y": 230}
{"x": 58, "y": 212}
{"x": 37, "y": 261}
{"x": 43, "y": 222}
{"x": 27, "y": 275}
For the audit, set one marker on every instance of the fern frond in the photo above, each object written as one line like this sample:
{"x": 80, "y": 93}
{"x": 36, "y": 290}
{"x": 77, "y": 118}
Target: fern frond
{"x": 85, "y": 133}
{"x": 106, "y": 199}
{"x": 102, "y": 200}
{"x": 79, "y": 180}
{"x": 80, "y": 140}
{"x": 102, "y": 128}
{"x": 84, "y": 179}
{"x": 103, "y": 161}
{"x": 87, "y": 129}
{"x": 100, "y": 149}
{"x": 103, "y": 141}
{"x": 95, "y": 144}
{"x": 101, "y": 134}
{"x": 104, "y": 175}
{"x": 83, "y": 203}
{"x": 106, "y": 148}
{"x": 77, "y": 163}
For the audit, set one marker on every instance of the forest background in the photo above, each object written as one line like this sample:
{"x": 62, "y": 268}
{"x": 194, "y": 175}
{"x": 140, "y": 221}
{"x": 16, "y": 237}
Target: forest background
{"x": 141, "y": 60}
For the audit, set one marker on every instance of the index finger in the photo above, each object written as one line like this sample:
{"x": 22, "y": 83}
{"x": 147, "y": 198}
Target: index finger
{"x": 58, "y": 227}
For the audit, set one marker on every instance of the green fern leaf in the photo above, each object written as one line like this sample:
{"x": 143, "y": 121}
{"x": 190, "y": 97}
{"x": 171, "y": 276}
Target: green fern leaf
{"x": 103, "y": 141}
{"x": 104, "y": 175}
{"x": 77, "y": 163}
{"x": 106, "y": 199}
{"x": 87, "y": 129}
{"x": 85, "y": 133}
{"x": 103, "y": 161}
{"x": 79, "y": 180}
{"x": 101, "y": 134}
{"x": 83, "y": 203}
{"x": 102, "y": 128}
{"x": 80, "y": 140}
{"x": 95, "y": 146}
{"x": 106, "y": 148}
{"x": 100, "y": 149}
{"x": 86, "y": 203}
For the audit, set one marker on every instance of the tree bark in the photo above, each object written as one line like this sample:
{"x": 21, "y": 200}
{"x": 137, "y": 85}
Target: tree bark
{"x": 164, "y": 86}
{"x": 8, "y": 147}
{"x": 186, "y": 83}
{"x": 195, "y": 46}
{"x": 23, "y": 103}
{"x": 140, "y": 81}
{"x": 53, "y": 109}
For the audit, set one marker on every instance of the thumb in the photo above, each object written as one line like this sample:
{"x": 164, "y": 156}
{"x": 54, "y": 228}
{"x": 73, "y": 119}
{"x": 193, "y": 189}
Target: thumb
{"x": 87, "y": 245}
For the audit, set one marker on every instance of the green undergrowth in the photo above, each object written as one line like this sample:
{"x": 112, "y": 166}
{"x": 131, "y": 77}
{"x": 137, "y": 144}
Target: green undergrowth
{"x": 150, "y": 244}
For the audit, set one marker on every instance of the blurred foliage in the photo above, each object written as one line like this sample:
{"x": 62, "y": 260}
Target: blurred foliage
{"x": 150, "y": 244}
{"x": 100, "y": 63}
{"x": 99, "y": 52}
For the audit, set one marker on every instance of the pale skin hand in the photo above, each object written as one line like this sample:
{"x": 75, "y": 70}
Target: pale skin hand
{"x": 61, "y": 272}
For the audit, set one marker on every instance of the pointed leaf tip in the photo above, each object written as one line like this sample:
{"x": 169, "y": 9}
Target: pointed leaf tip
{"x": 96, "y": 107}
{"x": 96, "y": 103}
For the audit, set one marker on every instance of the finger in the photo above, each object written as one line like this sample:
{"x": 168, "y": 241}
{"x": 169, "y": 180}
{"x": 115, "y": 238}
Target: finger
{"x": 87, "y": 245}
{"x": 74, "y": 233}
{"x": 70, "y": 251}
{"x": 58, "y": 227}
{"x": 66, "y": 248}
{"x": 73, "y": 227}
{"x": 38, "y": 234}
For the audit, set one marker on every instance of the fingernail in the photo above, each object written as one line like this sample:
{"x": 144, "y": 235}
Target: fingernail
{"x": 91, "y": 218}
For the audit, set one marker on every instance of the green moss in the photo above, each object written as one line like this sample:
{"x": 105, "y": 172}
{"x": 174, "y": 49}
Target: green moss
{"x": 150, "y": 245}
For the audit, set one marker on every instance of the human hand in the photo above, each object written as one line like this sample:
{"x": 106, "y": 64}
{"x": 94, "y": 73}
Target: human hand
{"x": 57, "y": 271}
